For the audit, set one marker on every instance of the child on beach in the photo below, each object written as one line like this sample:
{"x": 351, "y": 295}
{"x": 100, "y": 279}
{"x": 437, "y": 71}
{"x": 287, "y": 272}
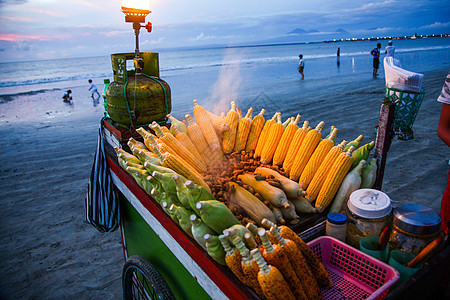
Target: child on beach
{"x": 93, "y": 89}
{"x": 376, "y": 59}
{"x": 301, "y": 66}
{"x": 67, "y": 97}
{"x": 443, "y": 132}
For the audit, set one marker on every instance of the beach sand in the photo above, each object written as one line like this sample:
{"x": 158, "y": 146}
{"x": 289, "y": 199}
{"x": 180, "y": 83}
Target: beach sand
{"x": 48, "y": 252}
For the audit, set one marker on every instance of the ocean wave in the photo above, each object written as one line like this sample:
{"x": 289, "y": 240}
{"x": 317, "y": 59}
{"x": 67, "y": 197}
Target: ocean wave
{"x": 54, "y": 79}
{"x": 9, "y": 97}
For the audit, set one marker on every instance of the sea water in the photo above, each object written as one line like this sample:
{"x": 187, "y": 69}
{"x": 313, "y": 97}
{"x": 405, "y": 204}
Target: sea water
{"x": 228, "y": 73}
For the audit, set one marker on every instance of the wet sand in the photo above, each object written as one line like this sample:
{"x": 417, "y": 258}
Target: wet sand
{"x": 48, "y": 252}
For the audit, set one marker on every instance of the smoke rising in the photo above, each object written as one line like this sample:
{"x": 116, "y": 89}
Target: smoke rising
{"x": 227, "y": 86}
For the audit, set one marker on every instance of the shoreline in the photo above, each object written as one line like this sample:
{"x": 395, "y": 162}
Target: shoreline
{"x": 48, "y": 152}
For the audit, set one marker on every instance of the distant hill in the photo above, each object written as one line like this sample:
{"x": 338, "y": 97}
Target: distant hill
{"x": 300, "y": 31}
{"x": 340, "y": 30}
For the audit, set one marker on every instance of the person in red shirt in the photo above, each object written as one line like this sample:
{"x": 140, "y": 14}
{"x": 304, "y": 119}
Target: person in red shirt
{"x": 443, "y": 132}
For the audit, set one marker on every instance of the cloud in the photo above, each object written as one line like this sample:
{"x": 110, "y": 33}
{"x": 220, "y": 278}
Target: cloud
{"x": 203, "y": 37}
{"x": 12, "y": 2}
{"x": 435, "y": 25}
{"x": 114, "y": 33}
{"x": 22, "y": 46}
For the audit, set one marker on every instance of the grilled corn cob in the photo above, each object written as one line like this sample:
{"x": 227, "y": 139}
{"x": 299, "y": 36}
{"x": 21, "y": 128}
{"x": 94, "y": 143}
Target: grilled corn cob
{"x": 275, "y": 256}
{"x": 317, "y": 268}
{"x": 305, "y": 151}
{"x": 317, "y": 158}
{"x": 334, "y": 178}
{"x": 249, "y": 266}
{"x": 299, "y": 264}
{"x": 297, "y": 140}
{"x": 270, "y": 279}
{"x": 233, "y": 259}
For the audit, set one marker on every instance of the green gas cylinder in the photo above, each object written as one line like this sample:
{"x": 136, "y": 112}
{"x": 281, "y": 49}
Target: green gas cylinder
{"x": 137, "y": 98}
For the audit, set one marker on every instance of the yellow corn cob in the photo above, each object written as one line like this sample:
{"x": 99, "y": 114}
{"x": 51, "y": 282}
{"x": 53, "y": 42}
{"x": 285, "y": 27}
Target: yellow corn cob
{"x": 299, "y": 264}
{"x": 316, "y": 159}
{"x": 233, "y": 259}
{"x": 271, "y": 144}
{"x": 307, "y": 148}
{"x": 317, "y": 268}
{"x": 319, "y": 177}
{"x": 179, "y": 148}
{"x": 249, "y": 266}
{"x": 186, "y": 142}
{"x": 334, "y": 179}
{"x": 198, "y": 139}
{"x": 180, "y": 125}
{"x": 219, "y": 124}
{"x": 297, "y": 140}
{"x": 263, "y": 136}
{"x": 146, "y": 136}
{"x": 243, "y": 131}
{"x": 286, "y": 139}
{"x": 287, "y": 122}
{"x": 272, "y": 282}
{"x": 274, "y": 255}
{"x": 180, "y": 166}
{"x": 229, "y": 136}
{"x": 255, "y": 131}
{"x": 206, "y": 126}
{"x": 239, "y": 112}
{"x": 165, "y": 130}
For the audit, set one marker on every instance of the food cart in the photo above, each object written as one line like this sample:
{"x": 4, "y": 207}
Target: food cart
{"x": 163, "y": 262}
{"x": 178, "y": 267}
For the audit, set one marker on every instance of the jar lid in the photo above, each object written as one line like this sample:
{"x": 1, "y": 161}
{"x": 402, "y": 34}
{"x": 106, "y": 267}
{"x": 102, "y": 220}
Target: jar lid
{"x": 337, "y": 218}
{"x": 417, "y": 218}
{"x": 369, "y": 203}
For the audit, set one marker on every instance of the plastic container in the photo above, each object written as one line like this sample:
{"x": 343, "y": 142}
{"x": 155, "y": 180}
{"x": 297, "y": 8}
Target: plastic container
{"x": 414, "y": 227}
{"x": 369, "y": 245}
{"x": 106, "y": 84}
{"x": 399, "y": 259}
{"x": 355, "y": 275}
{"x": 368, "y": 212}
{"x": 336, "y": 226}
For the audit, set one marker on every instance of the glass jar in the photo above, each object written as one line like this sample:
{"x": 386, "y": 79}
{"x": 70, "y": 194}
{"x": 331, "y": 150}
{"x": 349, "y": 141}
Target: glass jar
{"x": 414, "y": 227}
{"x": 368, "y": 213}
{"x": 336, "y": 226}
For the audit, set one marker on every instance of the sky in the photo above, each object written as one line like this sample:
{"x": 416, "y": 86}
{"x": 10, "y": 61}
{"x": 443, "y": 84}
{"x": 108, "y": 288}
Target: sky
{"x": 51, "y": 29}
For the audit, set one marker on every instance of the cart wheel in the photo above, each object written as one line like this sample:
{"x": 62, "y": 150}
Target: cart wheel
{"x": 140, "y": 280}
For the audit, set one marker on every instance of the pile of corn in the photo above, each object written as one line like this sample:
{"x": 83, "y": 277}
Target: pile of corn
{"x": 275, "y": 263}
{"x": 218, "y": 176}
{"x": 215, "y": 150}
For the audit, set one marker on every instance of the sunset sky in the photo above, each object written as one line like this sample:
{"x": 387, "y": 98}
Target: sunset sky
{"x": 48, "y": 29}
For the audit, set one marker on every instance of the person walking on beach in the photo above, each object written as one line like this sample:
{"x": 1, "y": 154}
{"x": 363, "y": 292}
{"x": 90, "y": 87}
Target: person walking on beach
{"x": 338, "y": 57}
{"x": 376, "y": 59}
{"x": 389, "y": 51}
{"x": 301, "y": 66}
{"x": 93, "y": 89}
{"x": 443, "y": 132}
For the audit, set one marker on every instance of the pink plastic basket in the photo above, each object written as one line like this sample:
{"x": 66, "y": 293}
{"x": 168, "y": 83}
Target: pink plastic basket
{"x": 355, "y": 275}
